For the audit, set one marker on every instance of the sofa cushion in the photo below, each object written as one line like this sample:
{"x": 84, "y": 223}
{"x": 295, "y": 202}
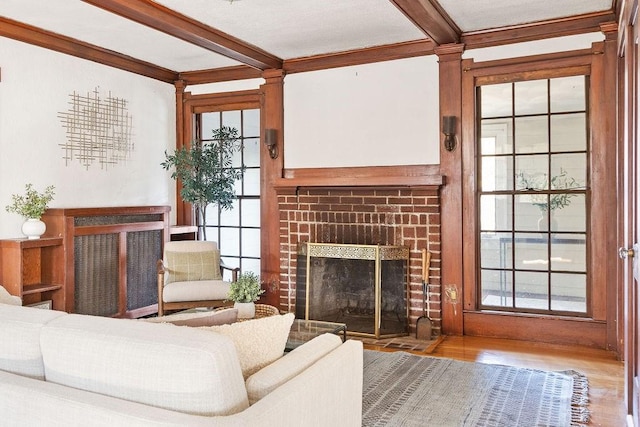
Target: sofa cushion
{"x": 20, "y": 328}
{"x": 282, "y": 370}
{"x": 258, "y": 342}
{"x": 197, "y": 319}
{"x": 182, "y": 369}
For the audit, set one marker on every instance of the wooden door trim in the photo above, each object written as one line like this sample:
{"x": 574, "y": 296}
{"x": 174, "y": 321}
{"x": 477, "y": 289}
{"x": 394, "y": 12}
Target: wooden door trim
{"x": 627, "y": 174}
{"x": 187, "y": 105}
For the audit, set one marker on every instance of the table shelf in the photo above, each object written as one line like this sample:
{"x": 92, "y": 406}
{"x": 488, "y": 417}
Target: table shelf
{"x": 39, "y": 288}
{"x": 33, "y": 269}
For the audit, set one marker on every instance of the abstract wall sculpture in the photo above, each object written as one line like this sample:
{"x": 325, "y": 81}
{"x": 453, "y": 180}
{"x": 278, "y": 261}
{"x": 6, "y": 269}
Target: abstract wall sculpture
{"x": 98, "y": 130}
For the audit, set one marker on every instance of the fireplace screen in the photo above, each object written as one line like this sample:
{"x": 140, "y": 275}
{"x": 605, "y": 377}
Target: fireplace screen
{"x": 364, "y": 286}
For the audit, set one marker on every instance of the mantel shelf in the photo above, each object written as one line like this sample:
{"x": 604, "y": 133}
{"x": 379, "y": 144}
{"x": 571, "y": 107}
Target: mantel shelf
{"x": 410, "y": 176}
{"x": 382, "y": 182}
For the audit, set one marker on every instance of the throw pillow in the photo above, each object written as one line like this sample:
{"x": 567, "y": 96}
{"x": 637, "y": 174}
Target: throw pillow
{"x": 189, "y": 266}
{"x": 258, "y": 342}
{"x": 207, "y": 318}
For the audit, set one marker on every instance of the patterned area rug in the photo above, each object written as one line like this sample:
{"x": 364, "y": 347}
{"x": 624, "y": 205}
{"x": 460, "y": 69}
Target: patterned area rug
{"x": 402, "y": 389}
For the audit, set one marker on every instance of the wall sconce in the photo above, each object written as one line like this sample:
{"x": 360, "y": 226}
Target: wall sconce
{"x": 271, "y": 141}
{"x": 449, "y": 131}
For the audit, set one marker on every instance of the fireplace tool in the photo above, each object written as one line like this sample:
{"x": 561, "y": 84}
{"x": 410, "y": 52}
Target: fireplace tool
{"x": 423, "y": 324}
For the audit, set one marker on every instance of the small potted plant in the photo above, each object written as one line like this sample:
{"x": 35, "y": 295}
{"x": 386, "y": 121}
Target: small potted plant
{"x": 245, "y": 292}
{"x": 31, "y": 205}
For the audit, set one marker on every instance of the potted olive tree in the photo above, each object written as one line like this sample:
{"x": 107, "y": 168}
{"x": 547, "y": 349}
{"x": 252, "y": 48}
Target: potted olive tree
{"x": 245, "y": 292}
{"x": 31, "y": 206}
{"x": 206, "y": 172}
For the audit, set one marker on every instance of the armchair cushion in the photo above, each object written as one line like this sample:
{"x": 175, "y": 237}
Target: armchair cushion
{"x": 191, "y": 266}
{"x": 198, "y": 290}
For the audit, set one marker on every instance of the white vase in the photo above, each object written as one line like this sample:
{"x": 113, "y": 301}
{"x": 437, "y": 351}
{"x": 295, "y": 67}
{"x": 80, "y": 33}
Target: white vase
{"x": 543, "y": 222}
{"x": 246, "y": 310}
{"x": 33, "y": 228}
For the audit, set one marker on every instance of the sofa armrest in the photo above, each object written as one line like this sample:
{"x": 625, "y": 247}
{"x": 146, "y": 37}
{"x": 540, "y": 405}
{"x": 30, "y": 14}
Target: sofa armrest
{"x": 292, "y": 364}
{"x": 7, "y": 298}
{"x": 328, "y": 393}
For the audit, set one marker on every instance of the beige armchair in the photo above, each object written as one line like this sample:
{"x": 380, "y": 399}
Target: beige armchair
{"x": 190, "y": 275}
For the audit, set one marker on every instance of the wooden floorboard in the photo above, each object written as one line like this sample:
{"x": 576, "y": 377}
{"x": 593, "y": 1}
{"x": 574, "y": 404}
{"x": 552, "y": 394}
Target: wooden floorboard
{"x": 604, "y": 371}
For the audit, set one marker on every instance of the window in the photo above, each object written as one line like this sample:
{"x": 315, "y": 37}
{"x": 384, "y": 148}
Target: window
{"x": 237, "y": 231}
{"x": 532, "y": 190}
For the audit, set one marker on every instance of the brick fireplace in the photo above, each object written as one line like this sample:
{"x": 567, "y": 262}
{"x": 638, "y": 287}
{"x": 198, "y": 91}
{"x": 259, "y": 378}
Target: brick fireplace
{"x": 367, "y": 215}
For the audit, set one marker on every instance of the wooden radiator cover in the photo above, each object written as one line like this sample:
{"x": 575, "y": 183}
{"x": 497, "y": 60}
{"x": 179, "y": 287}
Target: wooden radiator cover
{"x": 110, "y": 257}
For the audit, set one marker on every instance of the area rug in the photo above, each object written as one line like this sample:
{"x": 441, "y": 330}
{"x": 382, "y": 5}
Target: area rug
{"x": 402, "y": 389}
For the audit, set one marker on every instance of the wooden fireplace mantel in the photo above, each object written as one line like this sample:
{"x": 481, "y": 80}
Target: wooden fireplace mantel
{"x": 376, "y": 176}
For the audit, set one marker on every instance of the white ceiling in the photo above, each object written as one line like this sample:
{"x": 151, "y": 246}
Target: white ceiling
{"x": 285, "y": 29}
{"x": 474, "y": 15}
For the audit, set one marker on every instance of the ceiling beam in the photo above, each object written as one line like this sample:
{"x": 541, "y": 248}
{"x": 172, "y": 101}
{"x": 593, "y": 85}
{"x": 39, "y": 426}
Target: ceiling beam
{"x": 224, "y": 74}
{"x": 37, "y": 36}
{"x": 560, "y": 27}
{"x": 359, "y": 56}
{"x": 429, "y": 17}
{"x": 168, "y": 21}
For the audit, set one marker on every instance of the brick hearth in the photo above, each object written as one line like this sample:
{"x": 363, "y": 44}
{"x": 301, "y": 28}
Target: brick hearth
{"x": 363, "y": 215}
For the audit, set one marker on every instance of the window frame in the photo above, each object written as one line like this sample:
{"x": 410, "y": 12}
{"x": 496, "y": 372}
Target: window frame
{"x": 217, "y": 212}
{"x": 515, "y": 192}
{"x": 600, "y": 328}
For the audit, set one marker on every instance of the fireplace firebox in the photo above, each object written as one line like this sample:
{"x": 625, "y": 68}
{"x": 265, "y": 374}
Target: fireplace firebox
{"x": 363, "y": 286}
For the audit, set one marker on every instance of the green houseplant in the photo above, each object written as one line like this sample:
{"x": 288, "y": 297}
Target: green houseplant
{"x": 206, "y": 172}
{"x": 245, "y": 291}
{"x": 31, "y": 205}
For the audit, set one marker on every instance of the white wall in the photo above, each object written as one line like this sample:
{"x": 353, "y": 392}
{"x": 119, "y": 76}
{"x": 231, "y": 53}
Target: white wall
{"x": 34, "y": 89}
{"x": 367, "y": 115}
{"x": 376, "y": 114}
{"x": 343, "y": 116}
{"x": 221, "y": 87}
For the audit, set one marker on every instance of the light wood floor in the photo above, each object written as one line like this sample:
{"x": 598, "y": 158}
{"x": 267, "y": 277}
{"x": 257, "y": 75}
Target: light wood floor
{"x": 605, "y": 373}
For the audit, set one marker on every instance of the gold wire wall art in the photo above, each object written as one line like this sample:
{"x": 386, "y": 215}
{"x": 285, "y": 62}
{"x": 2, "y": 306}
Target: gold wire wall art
{"x": 99, "y": 130}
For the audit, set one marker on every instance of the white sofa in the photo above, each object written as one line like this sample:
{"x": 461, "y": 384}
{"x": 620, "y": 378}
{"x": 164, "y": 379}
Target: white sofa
{"x": 7, "y": 298}
{"x": 59, "y": 369}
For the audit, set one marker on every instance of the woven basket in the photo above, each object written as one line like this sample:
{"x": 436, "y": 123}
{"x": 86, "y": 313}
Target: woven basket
{"x": 262, "y": 310}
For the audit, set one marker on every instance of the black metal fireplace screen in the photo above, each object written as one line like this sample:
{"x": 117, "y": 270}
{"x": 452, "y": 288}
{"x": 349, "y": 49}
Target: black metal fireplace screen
{"x": 364, "y": 286}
